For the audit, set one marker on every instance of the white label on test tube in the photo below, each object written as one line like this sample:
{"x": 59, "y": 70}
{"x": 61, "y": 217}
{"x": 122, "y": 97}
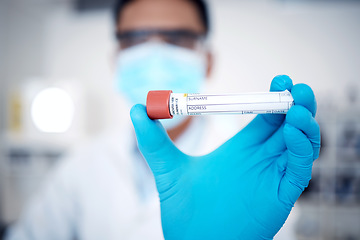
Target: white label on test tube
{"x": 248, "y": 103}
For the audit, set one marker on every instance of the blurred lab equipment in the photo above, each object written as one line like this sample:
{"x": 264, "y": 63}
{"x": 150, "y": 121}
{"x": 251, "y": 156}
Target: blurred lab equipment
{"x": 331, "y": 204}
{"x": 45, "y": 118}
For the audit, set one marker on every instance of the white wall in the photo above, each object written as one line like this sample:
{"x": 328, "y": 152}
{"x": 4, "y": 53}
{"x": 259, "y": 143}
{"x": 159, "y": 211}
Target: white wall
{"x": 2, "y": 62}
{"x": 315, "y": 43}
{"x": 81, "y": 47}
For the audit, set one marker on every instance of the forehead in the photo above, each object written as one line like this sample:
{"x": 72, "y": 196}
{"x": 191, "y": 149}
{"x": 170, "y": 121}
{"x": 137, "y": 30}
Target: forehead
{"x": 160, "y": 14}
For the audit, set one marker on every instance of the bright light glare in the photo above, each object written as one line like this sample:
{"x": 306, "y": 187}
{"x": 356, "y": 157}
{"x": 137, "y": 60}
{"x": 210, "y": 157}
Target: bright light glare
{"x": 52, "y": 110}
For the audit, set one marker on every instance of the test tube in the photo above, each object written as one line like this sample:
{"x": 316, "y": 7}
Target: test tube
{"x": 165, "y": 104}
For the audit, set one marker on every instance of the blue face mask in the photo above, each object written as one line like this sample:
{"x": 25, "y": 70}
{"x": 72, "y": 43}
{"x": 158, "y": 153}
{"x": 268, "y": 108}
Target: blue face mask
{"x": 159, "y": 66}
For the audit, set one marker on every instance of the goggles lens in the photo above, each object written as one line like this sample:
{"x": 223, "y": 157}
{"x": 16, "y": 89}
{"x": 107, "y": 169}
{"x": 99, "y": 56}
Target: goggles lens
{"x": 181, "y": 38}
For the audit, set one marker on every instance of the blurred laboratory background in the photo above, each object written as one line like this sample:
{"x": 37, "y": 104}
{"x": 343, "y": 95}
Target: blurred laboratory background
{"x": 57, "y": 56}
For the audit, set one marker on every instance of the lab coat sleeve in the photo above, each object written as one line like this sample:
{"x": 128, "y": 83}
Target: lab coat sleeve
{"x": 51, "y": 214}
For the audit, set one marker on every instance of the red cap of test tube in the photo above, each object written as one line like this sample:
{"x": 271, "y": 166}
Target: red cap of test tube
{"x": 157, "y": 104}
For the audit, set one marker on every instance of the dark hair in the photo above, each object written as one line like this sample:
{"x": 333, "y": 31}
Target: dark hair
{"x": 200, "y": 5}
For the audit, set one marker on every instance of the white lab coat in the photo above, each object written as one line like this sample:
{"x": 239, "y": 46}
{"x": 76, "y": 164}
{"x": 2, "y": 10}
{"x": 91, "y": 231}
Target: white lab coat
{"x": 106, "y": 191}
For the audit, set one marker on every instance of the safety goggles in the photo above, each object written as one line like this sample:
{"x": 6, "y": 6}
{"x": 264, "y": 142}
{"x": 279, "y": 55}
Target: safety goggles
{"x": 182, "y": 38}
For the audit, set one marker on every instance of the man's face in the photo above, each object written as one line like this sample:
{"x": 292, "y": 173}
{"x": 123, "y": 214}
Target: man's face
{"x": 160, "y": 15}
{"x": 161, "y": 46}
{"x": 176, "y": 22}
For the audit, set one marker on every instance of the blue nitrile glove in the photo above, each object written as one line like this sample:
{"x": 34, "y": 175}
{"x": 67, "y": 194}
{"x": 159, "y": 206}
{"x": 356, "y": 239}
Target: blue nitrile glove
{"x": 246, "y": 188}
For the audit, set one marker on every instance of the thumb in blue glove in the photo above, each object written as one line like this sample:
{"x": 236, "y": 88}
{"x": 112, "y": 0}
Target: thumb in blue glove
{"x": 247, "y": 187}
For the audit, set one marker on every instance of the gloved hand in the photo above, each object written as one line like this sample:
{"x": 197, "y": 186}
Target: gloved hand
{"x": 246, "y": 188}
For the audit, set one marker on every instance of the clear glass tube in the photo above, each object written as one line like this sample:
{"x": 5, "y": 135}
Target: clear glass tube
{"x": 247, "y": 103}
